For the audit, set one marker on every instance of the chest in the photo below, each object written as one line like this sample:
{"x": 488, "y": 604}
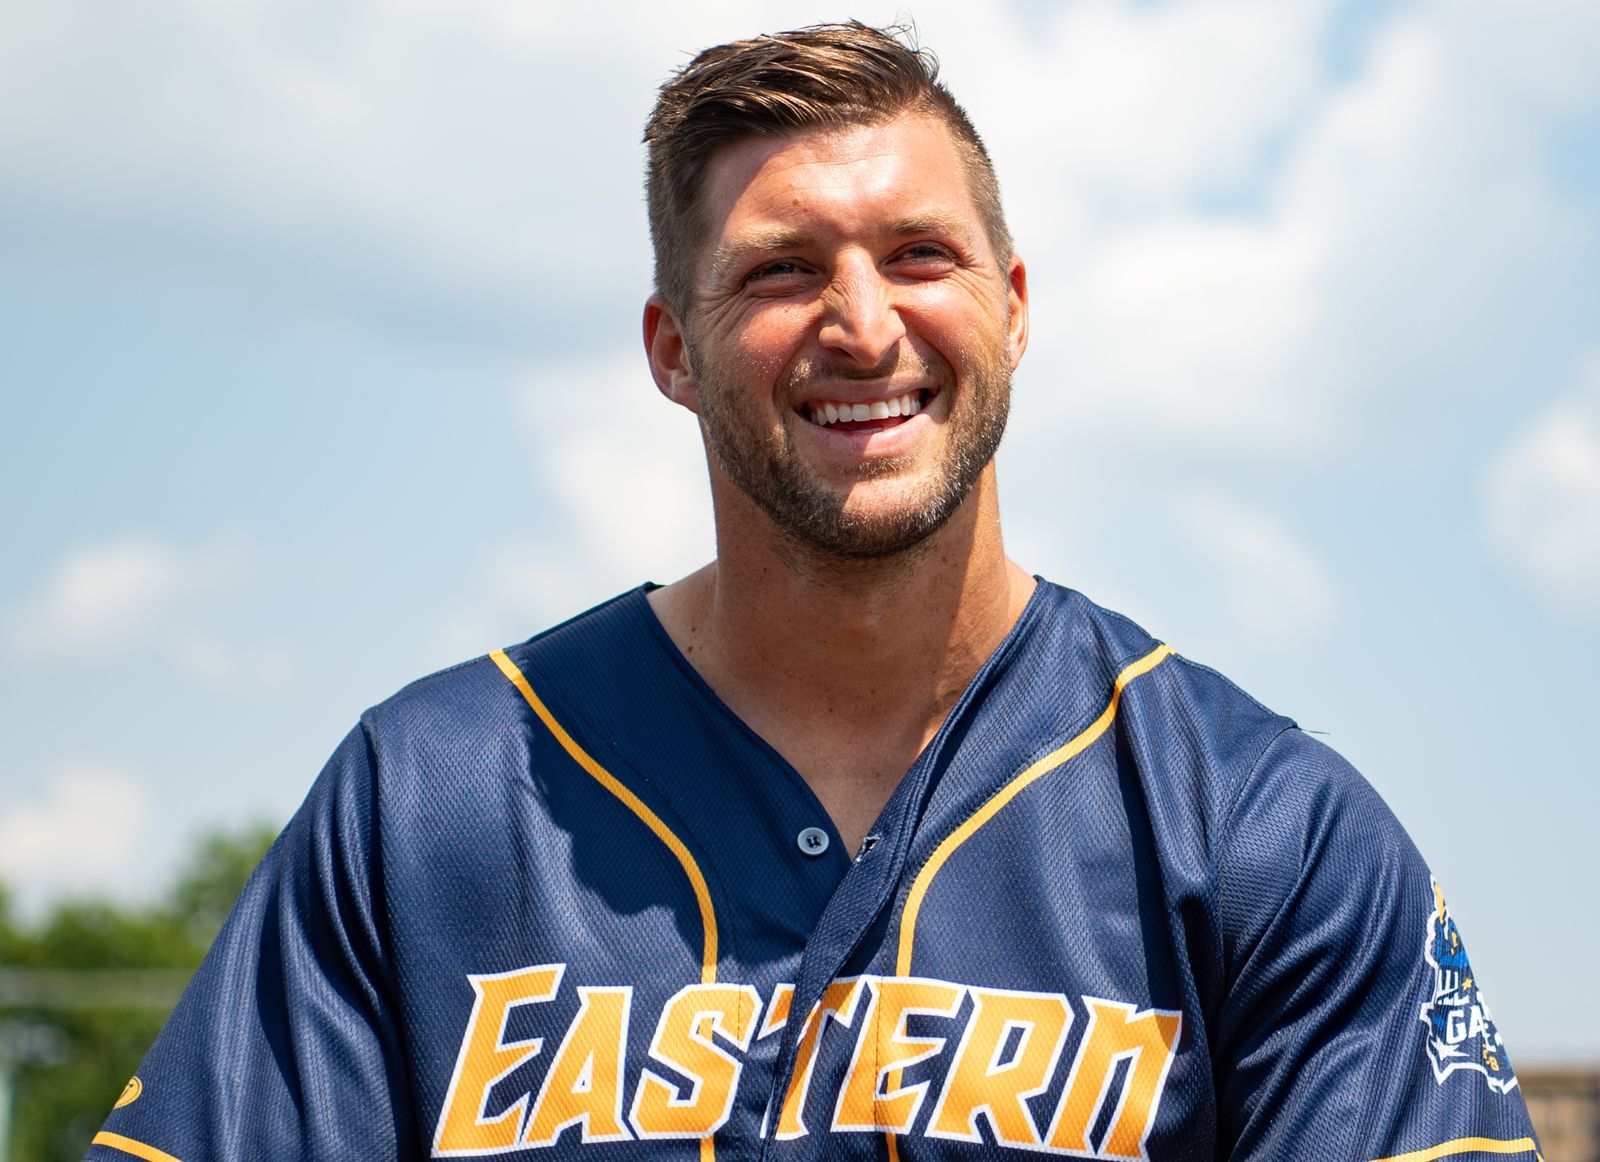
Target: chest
{"x": 653, "y": 961}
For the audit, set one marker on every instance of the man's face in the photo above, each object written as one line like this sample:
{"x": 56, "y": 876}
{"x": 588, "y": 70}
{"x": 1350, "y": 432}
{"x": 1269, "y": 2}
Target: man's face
{"x": 852, "y": 335}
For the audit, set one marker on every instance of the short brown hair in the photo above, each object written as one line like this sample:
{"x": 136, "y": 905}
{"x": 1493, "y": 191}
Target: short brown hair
{"x": 824, "y": 76}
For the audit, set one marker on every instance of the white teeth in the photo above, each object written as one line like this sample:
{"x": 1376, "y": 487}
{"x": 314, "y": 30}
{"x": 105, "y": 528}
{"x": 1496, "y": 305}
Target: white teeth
{"x": 831, "y": 412}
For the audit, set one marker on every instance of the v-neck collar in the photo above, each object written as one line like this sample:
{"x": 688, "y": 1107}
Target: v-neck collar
{"x": 870, "y": 884}
{"x": 638, "y": 600}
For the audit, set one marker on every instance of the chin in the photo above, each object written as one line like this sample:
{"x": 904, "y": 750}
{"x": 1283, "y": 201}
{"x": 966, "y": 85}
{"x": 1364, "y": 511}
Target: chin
{"x": 884, "y": 528}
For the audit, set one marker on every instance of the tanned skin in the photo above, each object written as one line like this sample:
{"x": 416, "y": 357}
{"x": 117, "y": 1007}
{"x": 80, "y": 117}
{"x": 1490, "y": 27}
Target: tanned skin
{"x": 846, "y": 265}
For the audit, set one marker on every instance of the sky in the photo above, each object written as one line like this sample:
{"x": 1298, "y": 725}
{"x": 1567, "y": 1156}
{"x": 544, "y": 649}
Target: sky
{"x": 320, "y": 360}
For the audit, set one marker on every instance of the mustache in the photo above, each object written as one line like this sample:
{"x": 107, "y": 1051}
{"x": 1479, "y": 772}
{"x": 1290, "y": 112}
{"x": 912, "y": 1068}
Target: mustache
{"x": 902, "y": 363}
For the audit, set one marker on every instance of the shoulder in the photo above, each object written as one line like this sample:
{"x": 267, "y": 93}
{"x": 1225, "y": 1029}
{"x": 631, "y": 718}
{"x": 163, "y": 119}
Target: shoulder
{"x": 1306, "y": 827}
{"x": 1217, "y": 768}
{"x": 468, "y": 715}
{"x": 1189, "y": 727}
{"x": 1088, "y": 637}
{"x": 1263, "y": 775}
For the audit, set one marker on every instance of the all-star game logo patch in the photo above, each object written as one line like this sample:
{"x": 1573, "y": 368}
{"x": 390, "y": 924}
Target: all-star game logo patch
{"x": 1461, "y": 1031}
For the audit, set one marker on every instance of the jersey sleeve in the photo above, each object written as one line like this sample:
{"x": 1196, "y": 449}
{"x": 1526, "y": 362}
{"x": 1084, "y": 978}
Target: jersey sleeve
{"x": 1354, "y": 1028}
{"x": 286, "y": 1043}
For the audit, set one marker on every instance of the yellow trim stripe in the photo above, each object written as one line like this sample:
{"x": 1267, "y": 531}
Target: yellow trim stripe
{"x": 708, "y": 917}
{"x": 1467, "y": 1146}
{"x": 129, "y": 1146}
{"x": 1080, "y": 743}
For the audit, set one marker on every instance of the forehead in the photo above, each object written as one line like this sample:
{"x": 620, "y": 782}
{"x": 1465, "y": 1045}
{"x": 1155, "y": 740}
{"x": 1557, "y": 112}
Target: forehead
{"x": 855, "y": 179}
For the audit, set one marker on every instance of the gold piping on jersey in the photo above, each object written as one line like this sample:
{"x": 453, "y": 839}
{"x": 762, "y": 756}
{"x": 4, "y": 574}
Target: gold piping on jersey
{"x": 1469, "y": 1146}
{"x": 702, "y": 894}
{"x": 1074, "y": 747}
{"x": 130, "y": 1146}
{"x": 697, "y": 881}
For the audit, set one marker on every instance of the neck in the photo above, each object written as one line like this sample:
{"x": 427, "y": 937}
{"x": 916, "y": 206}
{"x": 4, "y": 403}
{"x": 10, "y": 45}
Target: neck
{"x": 781, "y": 632}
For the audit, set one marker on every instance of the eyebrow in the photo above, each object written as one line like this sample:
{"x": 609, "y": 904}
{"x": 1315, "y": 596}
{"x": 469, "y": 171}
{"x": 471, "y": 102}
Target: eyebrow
{"x": 767, "y": 241}
{"x": 753, "y": 243}
{"x": 931, "y": 223}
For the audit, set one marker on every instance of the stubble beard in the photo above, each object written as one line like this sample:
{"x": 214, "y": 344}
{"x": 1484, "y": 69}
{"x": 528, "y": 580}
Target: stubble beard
{"x": 812, "y": 516}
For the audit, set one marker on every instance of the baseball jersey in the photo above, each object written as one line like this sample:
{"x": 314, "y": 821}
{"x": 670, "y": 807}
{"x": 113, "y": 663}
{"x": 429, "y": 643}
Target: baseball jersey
{"x": 561, "y": 900}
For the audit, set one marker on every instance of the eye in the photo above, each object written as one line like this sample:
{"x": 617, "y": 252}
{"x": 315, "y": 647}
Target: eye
{"x": 925, "y": 258}
{"x": 779, "y": 268}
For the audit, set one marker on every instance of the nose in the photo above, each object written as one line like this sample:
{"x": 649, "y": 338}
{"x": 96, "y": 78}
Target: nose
{"x": 861, "y": 321}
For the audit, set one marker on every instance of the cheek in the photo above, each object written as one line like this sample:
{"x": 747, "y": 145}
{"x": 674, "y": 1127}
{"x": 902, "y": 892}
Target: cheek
{"x": 957, "y": 324}
{"x": 766, "y": 342}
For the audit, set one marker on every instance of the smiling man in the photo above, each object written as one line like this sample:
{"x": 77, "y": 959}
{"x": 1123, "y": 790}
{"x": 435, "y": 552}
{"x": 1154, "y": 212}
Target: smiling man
{"x": 859, "y": 842}
{"x": 847, "y": 336}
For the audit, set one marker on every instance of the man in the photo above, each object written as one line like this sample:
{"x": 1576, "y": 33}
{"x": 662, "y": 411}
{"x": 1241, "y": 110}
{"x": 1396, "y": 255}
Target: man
{"x": 859, "y": 842}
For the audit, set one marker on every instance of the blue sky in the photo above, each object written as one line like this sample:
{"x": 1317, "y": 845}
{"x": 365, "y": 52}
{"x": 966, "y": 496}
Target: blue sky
{"x": 318, "y": 341}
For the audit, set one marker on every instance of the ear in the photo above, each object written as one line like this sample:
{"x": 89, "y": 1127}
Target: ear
{"x": 668, "y": 353}
{"x": 1017, "y": 296}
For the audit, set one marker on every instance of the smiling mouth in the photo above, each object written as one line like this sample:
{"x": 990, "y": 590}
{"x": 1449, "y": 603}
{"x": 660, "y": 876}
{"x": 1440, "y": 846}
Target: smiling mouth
{"x": 855, "y": 417}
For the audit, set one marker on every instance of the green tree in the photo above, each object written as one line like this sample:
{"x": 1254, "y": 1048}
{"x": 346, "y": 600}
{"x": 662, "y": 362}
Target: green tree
{"x": 100, "y": 979}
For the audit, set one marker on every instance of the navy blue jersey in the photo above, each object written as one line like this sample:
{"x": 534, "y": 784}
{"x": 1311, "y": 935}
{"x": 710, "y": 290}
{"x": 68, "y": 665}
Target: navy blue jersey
{"x": 561, "y": 899}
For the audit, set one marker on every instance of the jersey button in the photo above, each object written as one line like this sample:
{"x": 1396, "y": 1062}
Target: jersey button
{"x": 813, "y": 841}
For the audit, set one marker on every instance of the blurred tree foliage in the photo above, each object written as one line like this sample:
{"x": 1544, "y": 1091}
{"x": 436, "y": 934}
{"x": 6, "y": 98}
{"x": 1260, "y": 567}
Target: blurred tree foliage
{"x": 57, "y": 1107}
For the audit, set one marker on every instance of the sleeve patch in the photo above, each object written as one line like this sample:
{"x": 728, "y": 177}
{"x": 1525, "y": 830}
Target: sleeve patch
{"x": 1461, "y": 1031}
{"x": 130, "y": 1093}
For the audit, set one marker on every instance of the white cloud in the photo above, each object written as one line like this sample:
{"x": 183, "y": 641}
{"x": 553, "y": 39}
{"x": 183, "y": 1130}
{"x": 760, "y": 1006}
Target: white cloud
{"x": 1543, "y": 497}
{"x": 1273, "y": 587}
{"x": 1191, "y": 332}
{"x": 79, "y": 833}
{"x": 111, "y": 595}
{"x": 137, "y": 595}
{"x": 624, "y": 481}
{"x": 1118, "y": 109}
{"x": 1238, "y": 256}
{"x": 625, "y": 464}
{"x": 442, "y": 166}
{"x": 1445, "y": 242}
{"x": 1379, "y": 234}
{"x": 1396, "y": 241}
{"x": 211, "y": 661}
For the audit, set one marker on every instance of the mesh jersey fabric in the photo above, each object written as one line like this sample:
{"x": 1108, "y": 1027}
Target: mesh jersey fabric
{"x": 1116, "y": 909}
